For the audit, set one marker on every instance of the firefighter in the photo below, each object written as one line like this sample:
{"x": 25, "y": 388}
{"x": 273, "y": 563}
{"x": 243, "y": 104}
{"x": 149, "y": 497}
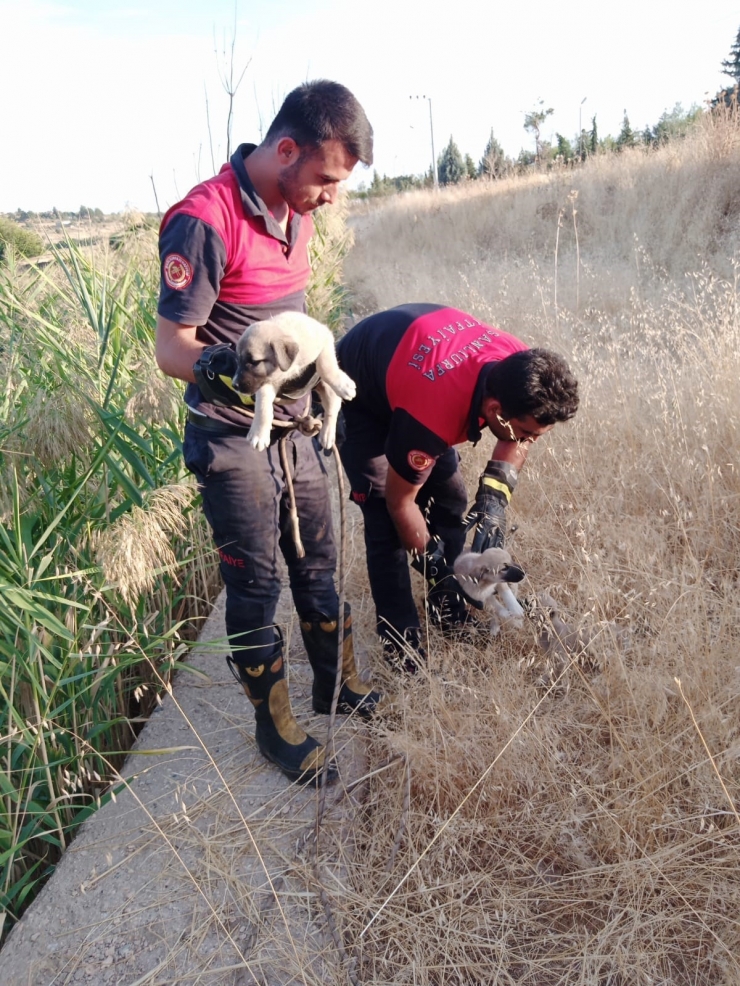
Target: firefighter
{"x": 234, "y": 251}
{"x": 429, "y": 378}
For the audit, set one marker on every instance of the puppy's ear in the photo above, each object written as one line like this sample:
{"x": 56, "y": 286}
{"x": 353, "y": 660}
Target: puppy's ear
{"x": 285, "y": 351}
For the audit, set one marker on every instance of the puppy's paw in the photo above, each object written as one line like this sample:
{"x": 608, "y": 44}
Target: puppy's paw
{"x": 327, "y": 435}
{"x": 258, "y": 439}
{"x": 345, "y": 387}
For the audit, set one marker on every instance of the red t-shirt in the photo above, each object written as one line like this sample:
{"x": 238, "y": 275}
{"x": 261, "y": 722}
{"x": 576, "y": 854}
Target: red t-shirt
{"x": 226, "y": 263}
{"x": 421, "y": 369}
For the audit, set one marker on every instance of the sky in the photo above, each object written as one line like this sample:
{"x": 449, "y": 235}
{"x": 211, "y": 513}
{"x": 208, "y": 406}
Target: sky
{"x": 105, "y": 102}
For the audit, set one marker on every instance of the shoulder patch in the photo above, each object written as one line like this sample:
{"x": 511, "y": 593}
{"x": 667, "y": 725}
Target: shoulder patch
{"x": 177, "y": 271}
{"x": 420, "y": 460}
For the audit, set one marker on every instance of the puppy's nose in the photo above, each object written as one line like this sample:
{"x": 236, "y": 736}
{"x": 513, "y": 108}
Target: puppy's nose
{"x": 511, "y": 573}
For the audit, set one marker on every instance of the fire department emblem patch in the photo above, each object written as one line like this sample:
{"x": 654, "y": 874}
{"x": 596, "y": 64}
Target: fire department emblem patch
{"x": 178, "y": 272}
{"x": 420, "y": 461}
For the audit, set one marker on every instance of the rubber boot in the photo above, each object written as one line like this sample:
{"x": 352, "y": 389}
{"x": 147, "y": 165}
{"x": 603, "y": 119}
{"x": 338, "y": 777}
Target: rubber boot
{"x": 279, "y": 737}
{"x": 405, "y": 655}
{"x": 447, "y": 610}
{"x": 455, "y": 621}
{"x": 321, "y": 640}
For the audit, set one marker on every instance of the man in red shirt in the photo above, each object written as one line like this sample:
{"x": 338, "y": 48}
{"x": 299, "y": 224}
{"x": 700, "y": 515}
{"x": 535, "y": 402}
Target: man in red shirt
{"x": 429, "y": 378}
{"x": 234, "y": 251}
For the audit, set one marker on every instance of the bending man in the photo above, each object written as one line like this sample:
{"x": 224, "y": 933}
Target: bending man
{"x": 430, "y": 378}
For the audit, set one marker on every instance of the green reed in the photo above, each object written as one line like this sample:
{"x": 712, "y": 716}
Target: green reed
{"x": 89, "y": 434}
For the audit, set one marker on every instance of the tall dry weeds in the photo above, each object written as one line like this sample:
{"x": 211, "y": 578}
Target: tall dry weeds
{"x": 136, "y": 548}
{"x": 586, "y": 832}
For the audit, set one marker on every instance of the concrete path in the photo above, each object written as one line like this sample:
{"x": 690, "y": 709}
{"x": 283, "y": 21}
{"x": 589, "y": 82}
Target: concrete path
{"x": 204, "y": 871}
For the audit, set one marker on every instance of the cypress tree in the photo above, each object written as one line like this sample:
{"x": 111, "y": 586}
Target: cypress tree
{"x": 626, "y": 136}
{"x": 731, "y": 65}
{"x": 493, "y": 162}
{"x": 450, "y": 166}
{"x": 593, "y": 137}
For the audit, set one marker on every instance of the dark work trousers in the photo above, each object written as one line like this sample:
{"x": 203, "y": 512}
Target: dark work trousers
{"x": 443, "y": 500}
{"x": 246, "y": 504}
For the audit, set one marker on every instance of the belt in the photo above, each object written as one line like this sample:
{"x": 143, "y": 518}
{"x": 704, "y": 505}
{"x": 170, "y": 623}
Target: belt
{"x": 214, "y": 426}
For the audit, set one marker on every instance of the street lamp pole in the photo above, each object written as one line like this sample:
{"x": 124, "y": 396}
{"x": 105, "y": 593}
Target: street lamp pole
{"x": 431, "y": 131}
{"x": 580, "y": 129}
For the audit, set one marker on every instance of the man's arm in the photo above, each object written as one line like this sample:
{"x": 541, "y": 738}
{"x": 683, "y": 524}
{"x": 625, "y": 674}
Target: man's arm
{"x": 177, "y": 349}
{"x": 487, "y": 517}
{"x": 427, "y": 555}
{"x": 400, "y": 498}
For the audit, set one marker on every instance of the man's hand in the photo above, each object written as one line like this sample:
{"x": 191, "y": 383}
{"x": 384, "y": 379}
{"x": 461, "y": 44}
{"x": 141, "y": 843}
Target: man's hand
{"x": 440, "y": 576}
{"x": 488, "y": 514}
{"x": 214, "y": 371}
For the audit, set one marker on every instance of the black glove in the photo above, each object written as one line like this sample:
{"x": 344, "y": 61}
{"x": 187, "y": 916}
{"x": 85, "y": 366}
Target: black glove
{"x": 488, "y": 514}
{"x": 441, "y": 578}
{"x": 214, "y": 371}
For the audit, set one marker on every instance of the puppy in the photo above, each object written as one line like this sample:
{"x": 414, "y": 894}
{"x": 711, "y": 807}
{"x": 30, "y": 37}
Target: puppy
{"x": 566, "y": 643}
{"x": 286, "y": 357}
{"x": 492, "y": 579}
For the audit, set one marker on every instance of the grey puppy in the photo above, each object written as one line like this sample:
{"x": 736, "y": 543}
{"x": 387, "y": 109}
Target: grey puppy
{"x": 491, "y": 578}
{"x": 286, "y": 357}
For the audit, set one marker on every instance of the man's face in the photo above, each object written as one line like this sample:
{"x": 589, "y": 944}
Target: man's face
{"x": 311, "y": 178}
{"x": 524, "y": 429}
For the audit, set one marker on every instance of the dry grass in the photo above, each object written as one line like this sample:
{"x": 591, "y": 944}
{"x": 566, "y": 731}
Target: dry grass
{"x": 588, "y": 833}
{"x": 138, "y": 546}
{"x": 515, "y": 829}
{"x": 57, "y": 426}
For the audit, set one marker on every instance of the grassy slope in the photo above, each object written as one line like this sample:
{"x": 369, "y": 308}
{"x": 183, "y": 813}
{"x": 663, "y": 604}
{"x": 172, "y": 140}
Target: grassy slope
{"x": 105, "y": 563}
{"x": 102, "y": 560}
{"x": 588, "y": 833}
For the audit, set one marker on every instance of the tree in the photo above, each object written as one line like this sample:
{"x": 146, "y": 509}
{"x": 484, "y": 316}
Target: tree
{"x": 647, "y": 136}
{"x": 383, "y": 185}
{"x": 525, "y": 160}
{"x": 450, "y": 165}
{"x": 627, "y": 137}
{"x": 470, "y": 169}
{"x": 731, "y": 65}
{"x": 15, "y": 237}
{"x": 493, "y": 162}
{"x": 563, "y": 149}
{"x": 593, "y": 137}
{"x": 676, "y": 123}
{"x": 378, "y": 186}
{"x": 533, "y": 123}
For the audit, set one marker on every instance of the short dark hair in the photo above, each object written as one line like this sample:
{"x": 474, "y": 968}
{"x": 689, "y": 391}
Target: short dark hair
{"x": 534, "y": 382}
{"x": 319, "y": 111}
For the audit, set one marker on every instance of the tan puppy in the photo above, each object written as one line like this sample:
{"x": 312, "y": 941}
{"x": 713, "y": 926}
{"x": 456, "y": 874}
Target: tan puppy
{"x": 286, "y": 357}
{"x": 491, "y": 578}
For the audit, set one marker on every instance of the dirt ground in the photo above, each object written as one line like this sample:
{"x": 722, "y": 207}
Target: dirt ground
{"x": 205, "y": 869}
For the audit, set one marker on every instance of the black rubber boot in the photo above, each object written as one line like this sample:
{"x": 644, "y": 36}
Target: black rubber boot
{"x": 455, "y": 622}
{"x": 447, "y": 610}
{"x": 321, "y": 640}
{"x": 279, "y": 737}
{"x": 405, "y": 655}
